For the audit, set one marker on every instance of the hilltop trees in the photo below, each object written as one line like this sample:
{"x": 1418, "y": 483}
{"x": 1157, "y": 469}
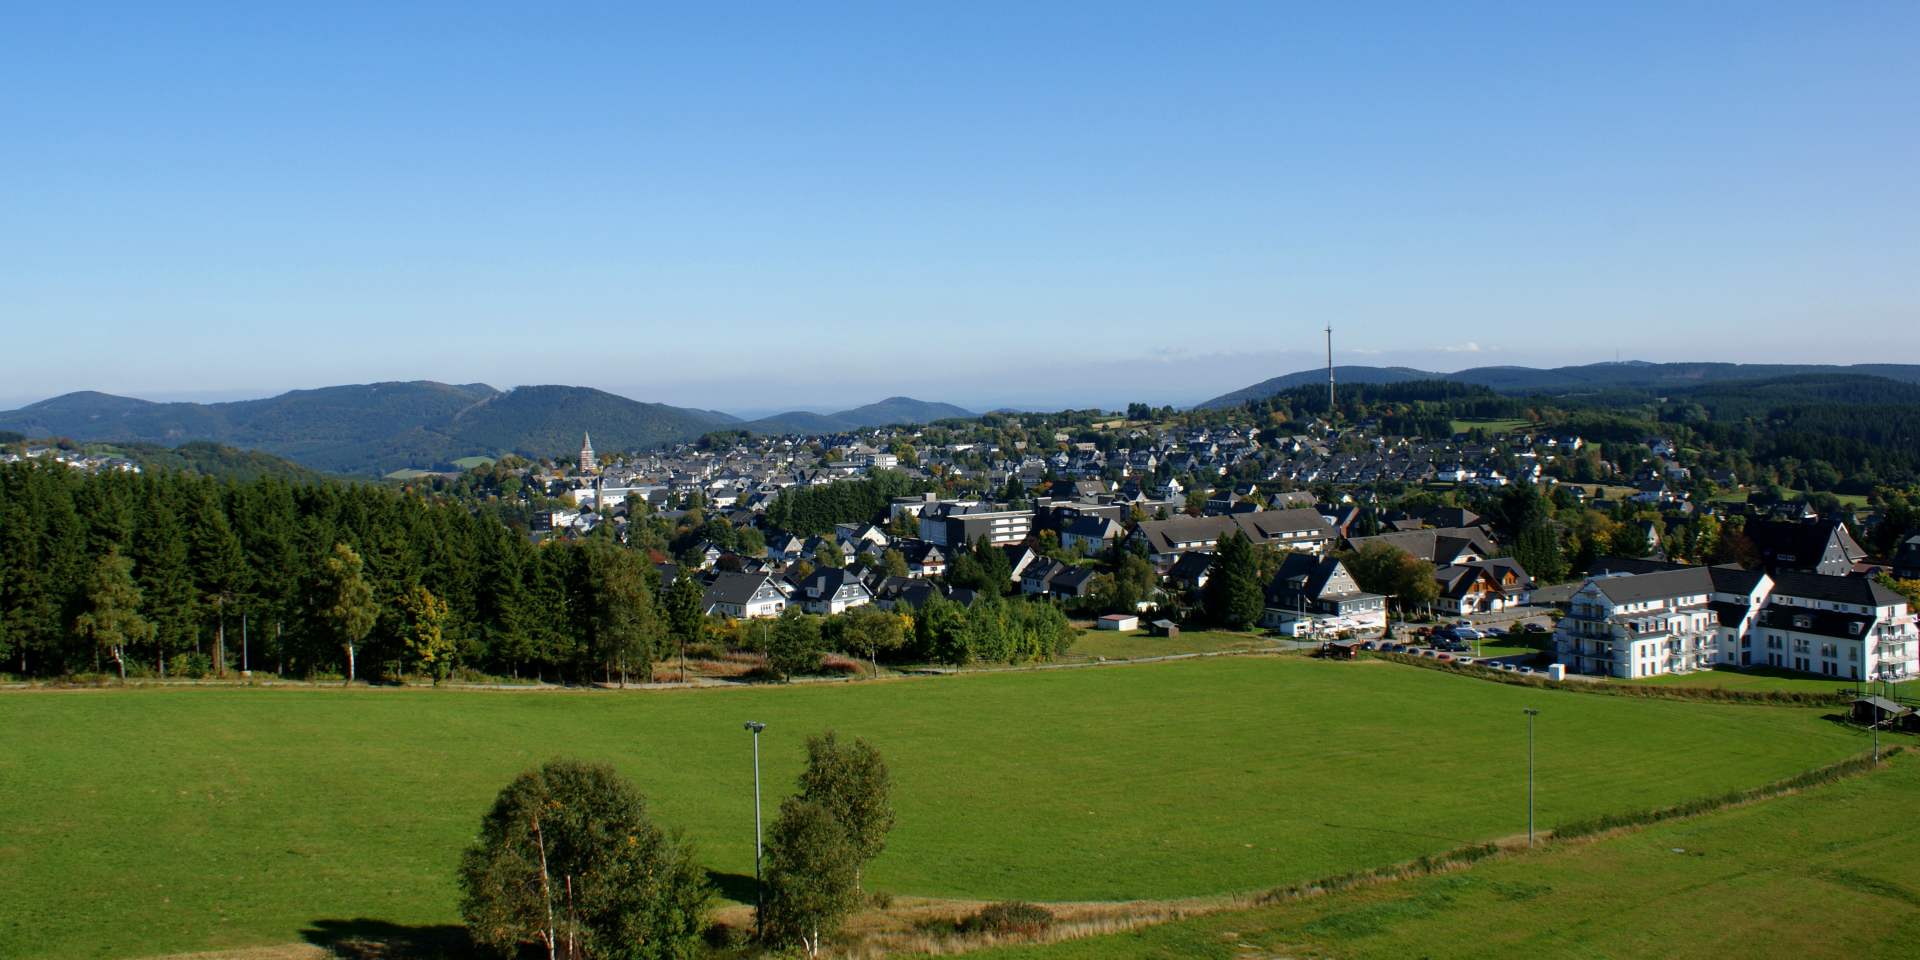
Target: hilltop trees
{"x": 568, "y": 859}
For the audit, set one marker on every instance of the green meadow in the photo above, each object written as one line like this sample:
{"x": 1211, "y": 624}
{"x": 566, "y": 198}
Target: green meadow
{"x": 150, "y": 820}
{"x": 1823, "y": 873}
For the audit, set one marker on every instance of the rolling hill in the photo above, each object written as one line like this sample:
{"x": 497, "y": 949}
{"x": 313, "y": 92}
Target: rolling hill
{"x": 893, "y": 410}
{"x": 1631, "y": 375}
{"x": 376, "y": 428}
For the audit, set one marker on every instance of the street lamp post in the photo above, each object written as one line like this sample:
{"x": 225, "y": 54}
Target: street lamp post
{"x": 1531, "y": 713}
{"x": 754, "y": 727}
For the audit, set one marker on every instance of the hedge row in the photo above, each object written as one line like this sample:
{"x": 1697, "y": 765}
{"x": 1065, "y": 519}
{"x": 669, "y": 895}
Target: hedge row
{"x": 1473, "y": 853}
{"x": 1693, "y": 808}
{"x": 1421, "y": 867}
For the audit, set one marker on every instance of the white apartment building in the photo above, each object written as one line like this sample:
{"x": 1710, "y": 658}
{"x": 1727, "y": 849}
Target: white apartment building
{"x": 1679, "y": 621}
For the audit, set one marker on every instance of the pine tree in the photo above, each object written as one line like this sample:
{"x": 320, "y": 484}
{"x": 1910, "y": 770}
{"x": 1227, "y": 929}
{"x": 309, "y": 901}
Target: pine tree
{"x": 168, "y": 598}
{"x": 1234, "y": 595}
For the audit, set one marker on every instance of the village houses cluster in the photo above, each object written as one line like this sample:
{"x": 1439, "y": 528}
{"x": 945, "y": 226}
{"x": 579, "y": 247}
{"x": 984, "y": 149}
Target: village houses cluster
{"x": 1629, "y": 618}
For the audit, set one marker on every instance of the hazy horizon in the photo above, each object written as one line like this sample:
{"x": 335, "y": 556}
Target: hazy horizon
{"x": 916, "y": 391}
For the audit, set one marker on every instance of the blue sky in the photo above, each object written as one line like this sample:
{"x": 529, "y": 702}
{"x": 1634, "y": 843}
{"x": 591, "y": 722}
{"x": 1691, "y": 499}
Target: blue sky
{"x": 1024, "y": 204}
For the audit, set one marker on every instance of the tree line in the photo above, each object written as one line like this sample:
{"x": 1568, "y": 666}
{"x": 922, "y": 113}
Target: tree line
{"x": 170, "y": 572}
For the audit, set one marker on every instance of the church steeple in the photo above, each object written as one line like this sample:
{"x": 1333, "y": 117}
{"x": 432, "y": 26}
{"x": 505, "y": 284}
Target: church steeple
{"x": 588, "y": 464}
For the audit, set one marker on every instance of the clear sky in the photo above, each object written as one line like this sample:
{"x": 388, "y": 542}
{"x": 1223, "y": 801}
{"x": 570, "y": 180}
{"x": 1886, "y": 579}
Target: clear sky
{"x": 813, "y": 205}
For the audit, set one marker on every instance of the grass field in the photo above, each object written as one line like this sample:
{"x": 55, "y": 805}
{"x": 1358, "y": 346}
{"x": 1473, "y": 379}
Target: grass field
{"x": 1490, "y": 426}
{"x": 148, "y": 821}
{"x": 1113, "y": 645}
{"x": 1502, "y": 645}
{"x": 1763, "y": 679}
{"x": 1818, "y": 874}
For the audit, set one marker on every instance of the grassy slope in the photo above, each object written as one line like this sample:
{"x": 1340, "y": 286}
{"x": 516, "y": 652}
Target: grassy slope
{"x": 1114, "y": 645}
{"x": 162, "y": 820}
{"x": 1826, "y": 873}
{"x": 1761, "y": 679}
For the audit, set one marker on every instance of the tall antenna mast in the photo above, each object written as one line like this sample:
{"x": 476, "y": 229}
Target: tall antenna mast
{"x": 1329, "y": 370}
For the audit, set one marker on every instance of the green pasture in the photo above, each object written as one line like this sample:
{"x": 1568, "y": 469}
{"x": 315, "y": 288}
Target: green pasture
{"x": 1760, "y": 678}
{"x": 1490, "y": 426}
{"x": 1823, "y": 873}
{"x": 148, "y": 821}
{"x": 1113, "y": 645}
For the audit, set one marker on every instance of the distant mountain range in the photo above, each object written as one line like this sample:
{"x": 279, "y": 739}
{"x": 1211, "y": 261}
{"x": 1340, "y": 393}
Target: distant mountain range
{"x": 1589, "y": 378}
{"x": 380, "y": 427}
{"x": 889, "y": 411}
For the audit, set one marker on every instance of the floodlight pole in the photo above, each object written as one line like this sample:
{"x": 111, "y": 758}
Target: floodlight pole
{"x": 754, "y": 727}
{"x": 1531, "y": 713}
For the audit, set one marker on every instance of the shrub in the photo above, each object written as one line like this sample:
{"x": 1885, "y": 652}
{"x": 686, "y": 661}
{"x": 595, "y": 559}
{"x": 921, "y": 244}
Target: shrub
{"x": 1009, "y": 918}
{"x": 193, "y": 666}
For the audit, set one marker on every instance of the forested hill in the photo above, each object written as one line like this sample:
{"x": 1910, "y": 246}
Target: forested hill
{"x": 893, "y": 410}
{"x": 378, "y": 427}
{"x": 1569, "y": 380}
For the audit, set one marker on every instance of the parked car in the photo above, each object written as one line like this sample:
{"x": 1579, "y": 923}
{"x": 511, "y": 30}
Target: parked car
{"x": 1523, "y": 669}
{"x": 1443, "y": 656}
{"x": 1369, "y": 645}
{"x": 1468, "y": 634}
{"x": 1531, "y": 627}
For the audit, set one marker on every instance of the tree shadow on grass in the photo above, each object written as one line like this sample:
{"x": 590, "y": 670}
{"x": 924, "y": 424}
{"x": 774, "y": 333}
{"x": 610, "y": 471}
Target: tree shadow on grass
{"x": 738, "y": 887}
{"x": 367, "y": 939}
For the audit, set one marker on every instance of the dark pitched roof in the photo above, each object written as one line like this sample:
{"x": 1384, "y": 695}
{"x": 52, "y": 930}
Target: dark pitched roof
{"x": 1687, "y": 581}
{"x": 734, "y": 588}
{"x": 1813, "y": 586}
{"x": 1191, "y": 566}
{"x": 1801, "y": 543}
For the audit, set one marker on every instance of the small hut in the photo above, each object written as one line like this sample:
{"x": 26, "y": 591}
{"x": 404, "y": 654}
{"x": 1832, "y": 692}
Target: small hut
{"x": 1873, "y": 710}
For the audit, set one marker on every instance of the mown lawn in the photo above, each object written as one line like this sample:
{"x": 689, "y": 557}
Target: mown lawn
{"x": 1824, "y": 873}
{"x": 147, "y": 821}
{"x": 1764, "y": 679}
{"x": 1113, "y": 645}
{"x": 1490, "y": 426}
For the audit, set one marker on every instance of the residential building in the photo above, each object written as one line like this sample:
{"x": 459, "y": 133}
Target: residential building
{"x": 952, "y": 524}
{"x": 1679, "y": 621}
{"x": 1297, "y": 529}
{"x": 743, "y": 596}
{"x": 1316, "y": 595}
{"x": 1813, "y": 545}
{"x": 831, "y": 590}
{"x": 1483, "y": 586}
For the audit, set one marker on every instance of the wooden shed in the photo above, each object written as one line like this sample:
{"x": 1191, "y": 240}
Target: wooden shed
{"x": 1165, "y": 628}
{"x": 1878, "y": 710}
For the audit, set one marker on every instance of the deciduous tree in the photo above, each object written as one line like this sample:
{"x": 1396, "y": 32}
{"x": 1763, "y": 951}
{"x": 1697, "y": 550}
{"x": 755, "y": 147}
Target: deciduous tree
{"x": 112, "y": 620}
{"x": 568, "y": 859}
